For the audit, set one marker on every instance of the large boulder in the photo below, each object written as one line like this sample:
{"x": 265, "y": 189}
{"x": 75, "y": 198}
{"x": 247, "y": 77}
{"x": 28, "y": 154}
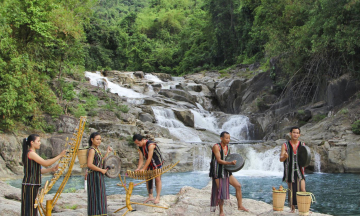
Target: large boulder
{"x": 163, "y": 76}
{"x": 352, "y": 155}
{"x": 10, "y": 154}
{"x": 228, "y": 93}
{"x": 146, "y": 117}
{"x": 179, "y": 95}
{"x": 185, "y": 116}
{"x": 341, "y": 90}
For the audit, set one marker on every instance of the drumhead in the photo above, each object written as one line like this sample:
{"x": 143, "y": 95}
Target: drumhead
{"x": 114, "y": 163}
{"x": 304, "y": 156}
{"x": 240, "y": 162}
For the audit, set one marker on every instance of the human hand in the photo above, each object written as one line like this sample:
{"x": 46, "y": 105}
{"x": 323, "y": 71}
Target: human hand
{"x": 103, "y": 171}
{"x": 109, "y": 149}
{"x": 233, "y": 162}
{"x": 138, "y": 169}
{"x": 286, "y": 155}
{"x": 63, "y": 153}
{"x": 53, "y": 169}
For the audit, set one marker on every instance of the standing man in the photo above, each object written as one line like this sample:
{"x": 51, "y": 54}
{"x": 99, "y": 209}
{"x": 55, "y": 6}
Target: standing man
{"x": 151, "y": 152}
{"x": 293, "y": 173}
{"x": 222, "y": 178}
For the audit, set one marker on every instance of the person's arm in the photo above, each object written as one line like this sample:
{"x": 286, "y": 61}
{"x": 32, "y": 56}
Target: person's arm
{"x": 109, "y": 149}
{"x": 91, "y": 160}
{"x": 283, "y": 155}
{"x": 33, "y": 156}
{"x": 141, "y": 159}
{"x": 51, "y": 169}
{"x": 218, "y": 157}
{"x": 150, "y": 155}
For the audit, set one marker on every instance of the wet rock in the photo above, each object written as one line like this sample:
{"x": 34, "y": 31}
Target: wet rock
{"x": 146, "y": 117}
{"x": 185, "y": 116}
{"x": 139, "y": 74}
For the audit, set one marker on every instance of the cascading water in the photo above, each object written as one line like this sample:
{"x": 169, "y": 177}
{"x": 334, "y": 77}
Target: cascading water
{"x": 153, "y": 78}
{"x": 164, "y": 85}
{"x": 97, "y": 78}
{"x": 166, "y": 118}
{"x": 317, "y": 162}
{"x": 204, "y": 119}
{"x": 201, "y": 161}
{"x": 238, "y": 127}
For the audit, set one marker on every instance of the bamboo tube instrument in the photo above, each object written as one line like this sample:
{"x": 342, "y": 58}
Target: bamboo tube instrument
{"x": 141, "y": 175}
{"x": 65, "y": 162}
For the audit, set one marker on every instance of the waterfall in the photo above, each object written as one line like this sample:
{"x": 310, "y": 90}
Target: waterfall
{"x": 164, "y": 85}
{"x": 317, "y": 162}
{"x": 257, "y": 163}
{"x": 153, "y": 78}
{"x": 201, "y": 160}
{"x": 265, "y": 163}
{"x": 166, "y": 118}
{"x": 238, "y": 127}
{"x": 96, "y": 79}
{"x": 204, "y": 119}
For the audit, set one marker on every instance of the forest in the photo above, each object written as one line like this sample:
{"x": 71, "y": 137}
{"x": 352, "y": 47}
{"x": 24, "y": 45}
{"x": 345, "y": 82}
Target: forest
{"x": 44, "y": 41}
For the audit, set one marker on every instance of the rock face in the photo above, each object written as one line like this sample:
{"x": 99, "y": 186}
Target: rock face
{"x": 189, "y": 201}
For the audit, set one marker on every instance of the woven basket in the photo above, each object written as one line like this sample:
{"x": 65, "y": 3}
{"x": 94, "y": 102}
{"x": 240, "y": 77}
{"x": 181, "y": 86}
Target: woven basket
{"x": 82, "y": 156}
{"x": 279, "y": 200}
{"x": 304, "y": 200}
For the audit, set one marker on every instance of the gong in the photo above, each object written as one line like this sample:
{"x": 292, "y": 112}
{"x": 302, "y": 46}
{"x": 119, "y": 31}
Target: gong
{"x": 113, "y": 164}
{"x": 240, "y": 162}
{"x": 304, "y": 156}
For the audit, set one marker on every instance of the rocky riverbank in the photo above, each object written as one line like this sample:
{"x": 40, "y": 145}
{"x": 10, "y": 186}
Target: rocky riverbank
{"x": 194, "y": 108}
{"x": 189, "y": 201}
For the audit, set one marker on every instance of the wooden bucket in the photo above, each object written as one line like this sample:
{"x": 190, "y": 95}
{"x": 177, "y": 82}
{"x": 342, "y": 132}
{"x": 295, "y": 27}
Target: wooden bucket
{"x": 279, "y": 200}
{"x": 304, "y": 200}
{"x": 82, "y": 156}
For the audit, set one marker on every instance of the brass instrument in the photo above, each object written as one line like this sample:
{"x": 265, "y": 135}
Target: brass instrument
{"x": 142, "y": 175}
{"x": 66, "y": 162}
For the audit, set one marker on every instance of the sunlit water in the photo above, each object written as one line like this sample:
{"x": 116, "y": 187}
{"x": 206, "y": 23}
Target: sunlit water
{"x": 336, "y": 194}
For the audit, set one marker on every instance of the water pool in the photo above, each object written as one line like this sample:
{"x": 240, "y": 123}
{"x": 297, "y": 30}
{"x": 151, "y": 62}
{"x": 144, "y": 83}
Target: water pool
{"x": 336, "y": 194}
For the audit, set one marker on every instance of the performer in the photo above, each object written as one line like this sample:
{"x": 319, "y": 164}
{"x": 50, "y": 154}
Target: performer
{"x": 97, "y": 204}
{"x": 32, "y": 173}
{"x": 293, "y": 172}
{"x": 151, "y": 152}
{"x": 222, "y": 178}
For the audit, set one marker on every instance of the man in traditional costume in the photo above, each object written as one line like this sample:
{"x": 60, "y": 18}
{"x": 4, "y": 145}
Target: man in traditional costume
{"x": 222, "y": 178}
{"x": 293, "y": 173}
{"x": 154, "y": 160}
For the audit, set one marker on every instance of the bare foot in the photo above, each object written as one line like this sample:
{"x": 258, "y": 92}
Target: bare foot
{"x": 292, "y": 211}
{"x": 149, "y": 199}
{"x": 243, "y": 208}
{"x": 157, "y": 200}
{"x": 222, "y": 214}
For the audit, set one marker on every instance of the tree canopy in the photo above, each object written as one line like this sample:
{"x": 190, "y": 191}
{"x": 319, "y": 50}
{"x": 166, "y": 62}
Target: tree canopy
{"x": 45, "y": 40}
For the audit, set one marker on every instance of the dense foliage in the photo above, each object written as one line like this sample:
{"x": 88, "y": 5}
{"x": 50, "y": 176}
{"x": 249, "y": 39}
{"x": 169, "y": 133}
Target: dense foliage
{"x": 42, "y": 41}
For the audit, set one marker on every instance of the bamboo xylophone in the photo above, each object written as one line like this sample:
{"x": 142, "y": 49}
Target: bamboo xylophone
{"x": 147, "y": 174}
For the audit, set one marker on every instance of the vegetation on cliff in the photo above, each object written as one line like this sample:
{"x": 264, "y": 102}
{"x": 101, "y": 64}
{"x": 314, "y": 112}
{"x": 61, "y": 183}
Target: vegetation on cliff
{"x": 44, "y": 41}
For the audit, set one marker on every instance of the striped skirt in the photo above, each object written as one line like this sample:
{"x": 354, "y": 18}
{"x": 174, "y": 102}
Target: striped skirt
{"x": 97, "y": 204}
{"x": 219, "y": 194}
{"x": 28, "y": 196}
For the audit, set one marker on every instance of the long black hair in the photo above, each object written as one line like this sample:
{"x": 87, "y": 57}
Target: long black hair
{"x": 92, "y": 136}
{"x": 27, "y": 145}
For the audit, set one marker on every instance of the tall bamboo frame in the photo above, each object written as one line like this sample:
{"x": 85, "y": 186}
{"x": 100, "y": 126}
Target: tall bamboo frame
{"x": 64, "y": 162}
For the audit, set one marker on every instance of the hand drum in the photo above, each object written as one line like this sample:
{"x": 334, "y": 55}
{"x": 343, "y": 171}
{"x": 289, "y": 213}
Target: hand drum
{"x": 240, "y": 162}
{"x": 112, "y": 162}
{"x": 304, "y": 156}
